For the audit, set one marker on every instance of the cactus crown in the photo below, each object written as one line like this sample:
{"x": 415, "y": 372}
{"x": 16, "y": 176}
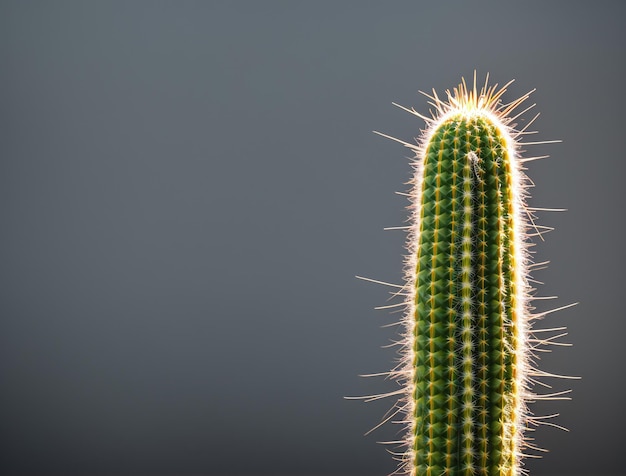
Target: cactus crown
{"x": 467, "y": 347}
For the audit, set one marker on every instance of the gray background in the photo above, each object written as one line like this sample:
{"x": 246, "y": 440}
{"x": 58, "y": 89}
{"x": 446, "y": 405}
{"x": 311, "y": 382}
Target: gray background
{"x": 187, "y": 190}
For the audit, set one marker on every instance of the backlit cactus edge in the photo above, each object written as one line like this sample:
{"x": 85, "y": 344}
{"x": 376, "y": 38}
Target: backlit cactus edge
{"x": 467, "y": 349}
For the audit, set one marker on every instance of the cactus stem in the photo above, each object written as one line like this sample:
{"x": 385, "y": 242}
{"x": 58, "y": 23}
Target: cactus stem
{"x": 467, "y": 346}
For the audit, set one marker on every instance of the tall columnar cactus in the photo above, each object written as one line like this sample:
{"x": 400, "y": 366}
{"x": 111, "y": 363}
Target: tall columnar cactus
{"x": 467, "y": 347}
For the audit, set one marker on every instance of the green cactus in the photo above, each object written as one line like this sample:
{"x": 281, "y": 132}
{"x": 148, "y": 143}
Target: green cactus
{"x": 467, "y": 349}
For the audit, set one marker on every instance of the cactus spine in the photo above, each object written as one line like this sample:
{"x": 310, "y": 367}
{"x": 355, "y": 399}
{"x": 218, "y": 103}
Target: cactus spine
{"x": 467, "y": 347}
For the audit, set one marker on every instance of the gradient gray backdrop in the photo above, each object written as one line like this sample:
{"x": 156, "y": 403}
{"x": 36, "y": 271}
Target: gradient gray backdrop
{"x": 187, "y": 190}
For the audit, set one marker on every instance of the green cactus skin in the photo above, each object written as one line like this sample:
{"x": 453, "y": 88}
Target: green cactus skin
{"x": 466, "y": 314}
{"x": 466, "y": 355}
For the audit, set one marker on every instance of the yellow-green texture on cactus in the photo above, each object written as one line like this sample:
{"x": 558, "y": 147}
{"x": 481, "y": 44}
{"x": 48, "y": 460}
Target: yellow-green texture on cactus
{"x": 467, "y": 349}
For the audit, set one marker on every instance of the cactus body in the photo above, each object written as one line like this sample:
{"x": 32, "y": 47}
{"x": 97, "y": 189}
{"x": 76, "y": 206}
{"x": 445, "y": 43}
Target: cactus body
{"x": 466, "y": 308}
{"x": 467, "y": 347}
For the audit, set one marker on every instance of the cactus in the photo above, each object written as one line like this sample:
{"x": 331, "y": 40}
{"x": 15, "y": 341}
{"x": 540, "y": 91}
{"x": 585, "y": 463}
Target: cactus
{"x": 467, "y": 348}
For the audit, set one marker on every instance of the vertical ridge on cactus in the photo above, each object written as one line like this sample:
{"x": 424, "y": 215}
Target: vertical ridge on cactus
{"x": 467, "y": 346}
